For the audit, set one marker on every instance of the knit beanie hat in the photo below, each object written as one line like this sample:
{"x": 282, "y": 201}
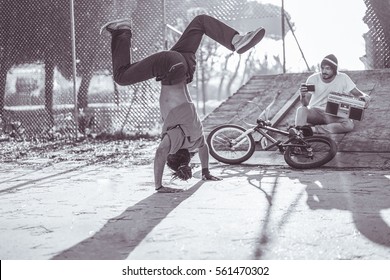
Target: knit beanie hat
{"x": 331, "y": 61}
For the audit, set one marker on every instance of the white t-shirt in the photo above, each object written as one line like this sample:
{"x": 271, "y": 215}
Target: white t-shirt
{"x": 342, "y": 83}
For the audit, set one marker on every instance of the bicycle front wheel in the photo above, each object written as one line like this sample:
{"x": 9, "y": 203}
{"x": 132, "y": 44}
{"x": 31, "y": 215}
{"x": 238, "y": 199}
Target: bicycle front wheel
{"x": 227, "y": 144}
{"x": 314, "y": 152}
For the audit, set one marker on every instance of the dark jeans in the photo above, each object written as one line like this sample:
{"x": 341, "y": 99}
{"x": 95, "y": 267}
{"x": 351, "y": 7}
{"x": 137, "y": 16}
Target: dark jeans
{"x": 158, "y": 65}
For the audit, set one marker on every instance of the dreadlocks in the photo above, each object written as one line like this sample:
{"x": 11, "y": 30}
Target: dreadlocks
{"x": 179, "y": 163}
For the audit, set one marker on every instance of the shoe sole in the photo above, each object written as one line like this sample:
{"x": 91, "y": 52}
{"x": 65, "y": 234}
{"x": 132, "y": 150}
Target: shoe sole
{"x": 256, "y": 38}
{"x": 116, "y": 22}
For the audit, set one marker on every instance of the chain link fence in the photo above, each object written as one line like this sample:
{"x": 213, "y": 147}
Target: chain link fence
{"x": 37, "y": 85}
{"x": 378, "y": 37}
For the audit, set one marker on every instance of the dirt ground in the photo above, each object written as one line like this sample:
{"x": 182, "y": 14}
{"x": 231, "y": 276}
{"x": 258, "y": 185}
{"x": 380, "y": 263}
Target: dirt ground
{"x": 124, "y": 152}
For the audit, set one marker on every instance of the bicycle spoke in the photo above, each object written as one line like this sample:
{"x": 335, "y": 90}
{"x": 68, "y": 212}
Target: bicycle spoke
{"x": 319, "y": 151}
{"x": 225, "y": 147}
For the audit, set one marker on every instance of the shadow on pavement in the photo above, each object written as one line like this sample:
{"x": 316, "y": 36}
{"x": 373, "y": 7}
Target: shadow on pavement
{"x": 364, "y": 196}
{"x": 32, "y": 182}
{"x": 255, "y": 179}
{"x": 121, "y": 235}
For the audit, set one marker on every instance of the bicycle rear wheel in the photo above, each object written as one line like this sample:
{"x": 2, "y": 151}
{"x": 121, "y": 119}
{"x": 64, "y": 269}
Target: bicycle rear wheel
{"x": 311, "y": 152}
{"x": 224, "y": 146}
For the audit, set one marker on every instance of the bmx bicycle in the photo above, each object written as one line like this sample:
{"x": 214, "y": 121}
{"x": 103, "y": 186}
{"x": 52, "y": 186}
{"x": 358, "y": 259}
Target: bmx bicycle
{"x": 233, "y": 144}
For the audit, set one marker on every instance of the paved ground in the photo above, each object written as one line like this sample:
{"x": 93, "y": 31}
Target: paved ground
{"x": 261, "y": 210}
{"x": 73, "y": 208}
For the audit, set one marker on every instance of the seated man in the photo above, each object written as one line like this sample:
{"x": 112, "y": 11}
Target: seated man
{"x": 311, "y": 117}
{"x": 182, "y": 130}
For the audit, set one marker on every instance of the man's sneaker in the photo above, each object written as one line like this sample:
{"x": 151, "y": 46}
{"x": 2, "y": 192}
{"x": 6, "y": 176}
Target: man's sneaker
{"x": 110, "y": 26}
{"x": 293, "y": 132}
{"x": 249, "y": 40}
{"x": 307, "y": 131}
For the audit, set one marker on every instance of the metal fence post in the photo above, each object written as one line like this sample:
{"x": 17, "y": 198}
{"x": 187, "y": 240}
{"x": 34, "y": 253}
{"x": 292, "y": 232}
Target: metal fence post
{"x": 164, "y": 23}
{"x": 74, "y": 69}
{"x": 283, "y": 39}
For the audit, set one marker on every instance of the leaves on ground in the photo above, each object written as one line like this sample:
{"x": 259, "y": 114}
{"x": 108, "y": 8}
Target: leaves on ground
{"x": 113, "y": 152}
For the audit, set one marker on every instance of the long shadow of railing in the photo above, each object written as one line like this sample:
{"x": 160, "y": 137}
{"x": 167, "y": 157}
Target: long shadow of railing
{"x": 363, "y": 196}
{"x": 254, "y": 179}
{"x": 121, "y": 234}
{"x": 31, "y": 182}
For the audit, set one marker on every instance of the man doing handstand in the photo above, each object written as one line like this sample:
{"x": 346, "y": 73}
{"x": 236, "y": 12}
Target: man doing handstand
{"x": 182, "y": 131}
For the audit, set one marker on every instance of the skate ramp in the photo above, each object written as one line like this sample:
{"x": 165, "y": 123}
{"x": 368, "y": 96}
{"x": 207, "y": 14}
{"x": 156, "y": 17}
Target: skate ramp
{"x": 370, "y": 136}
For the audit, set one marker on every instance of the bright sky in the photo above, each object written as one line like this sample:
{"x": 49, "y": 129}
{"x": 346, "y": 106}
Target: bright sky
{"x": 323, "y": 27}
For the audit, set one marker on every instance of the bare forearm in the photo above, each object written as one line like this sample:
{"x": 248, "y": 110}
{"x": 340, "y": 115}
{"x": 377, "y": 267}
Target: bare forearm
{"x": 304, "y": 101}
{"x": 305, "y": 98}
{"x": 204, "y": 156}
{"x": 159, "y": 163}
{"x": 358, "y": 93}
{"x": 204, "y": 160}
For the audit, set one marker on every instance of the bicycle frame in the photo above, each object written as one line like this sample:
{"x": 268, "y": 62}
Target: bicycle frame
{"x": 265, "y": 125}
{"x": 234, "y": 144}
{"x": 259, "y": 128}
